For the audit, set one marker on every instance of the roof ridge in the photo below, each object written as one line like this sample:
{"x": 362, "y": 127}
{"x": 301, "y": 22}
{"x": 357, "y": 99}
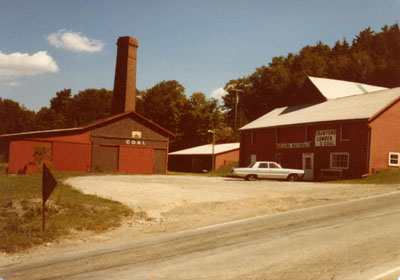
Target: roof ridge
{"x": 355, "y": 107}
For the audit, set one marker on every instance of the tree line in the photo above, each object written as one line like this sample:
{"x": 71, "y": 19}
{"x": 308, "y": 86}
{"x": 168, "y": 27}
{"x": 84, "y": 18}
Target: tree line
{"x": 189, "y": 118}
{"x": 371, "y": 58}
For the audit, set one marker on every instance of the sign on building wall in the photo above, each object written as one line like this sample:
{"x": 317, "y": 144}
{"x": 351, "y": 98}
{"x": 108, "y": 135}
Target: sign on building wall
{"x": 136, "y": 134}
{"x": 293, "y": 145}
{"x": 135, "y": 142}
{"x": 325, "y": 138}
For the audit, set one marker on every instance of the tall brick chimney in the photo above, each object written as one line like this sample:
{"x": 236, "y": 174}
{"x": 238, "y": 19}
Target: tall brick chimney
{"x": 124, "y": 97}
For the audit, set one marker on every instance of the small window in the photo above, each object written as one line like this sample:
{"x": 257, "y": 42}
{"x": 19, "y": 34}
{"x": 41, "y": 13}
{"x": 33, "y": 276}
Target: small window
{"x": 394, "y": 159}
{"x": 273, "y": 165}
{"x": 308, "y": 163}
{"x": 345, "y": 131}
{"x": 340, "y": 160}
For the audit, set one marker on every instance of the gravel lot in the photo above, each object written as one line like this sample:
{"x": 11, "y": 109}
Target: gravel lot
{"x": 183, "y": 202}
{"x": 166, "y": 203}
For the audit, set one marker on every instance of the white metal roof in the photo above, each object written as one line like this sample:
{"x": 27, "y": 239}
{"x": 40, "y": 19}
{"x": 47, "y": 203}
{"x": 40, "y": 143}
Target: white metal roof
{"x": 207, "y": 149}
{"x": 353, "y": 107}
{"x": 332, "y": 89}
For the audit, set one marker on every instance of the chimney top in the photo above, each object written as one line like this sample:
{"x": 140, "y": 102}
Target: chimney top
{"x": 128, "y": 39}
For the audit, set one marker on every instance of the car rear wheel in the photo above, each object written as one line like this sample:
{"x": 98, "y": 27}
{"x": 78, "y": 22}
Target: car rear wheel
{"x": 251, "y": 177}
{"x": 292, "y": 177}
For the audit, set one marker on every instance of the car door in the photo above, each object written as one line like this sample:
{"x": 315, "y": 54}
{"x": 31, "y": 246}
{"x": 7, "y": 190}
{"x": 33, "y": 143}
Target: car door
{"x": 276, "y": 171}
{"x": 263, "y": 170}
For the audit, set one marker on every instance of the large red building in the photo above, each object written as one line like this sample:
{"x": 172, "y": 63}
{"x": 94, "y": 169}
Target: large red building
{"x": 354, "y": 131}
{"x": 125, "y": 142}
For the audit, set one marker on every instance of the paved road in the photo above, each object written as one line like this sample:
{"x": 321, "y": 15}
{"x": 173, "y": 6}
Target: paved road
{"x": 352, "y": 240}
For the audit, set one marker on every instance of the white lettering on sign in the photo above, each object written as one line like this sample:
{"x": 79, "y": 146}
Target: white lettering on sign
{"x": 135, "y": 142}
{"x": 293, "y": 145}
{"x": 325, "y": 138}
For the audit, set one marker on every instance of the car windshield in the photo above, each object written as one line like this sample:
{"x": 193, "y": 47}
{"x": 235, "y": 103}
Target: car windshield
{"x": 251, "y": 165}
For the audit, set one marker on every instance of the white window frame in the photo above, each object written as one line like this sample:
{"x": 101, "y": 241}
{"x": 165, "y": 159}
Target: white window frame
{"x": 398, "y": 159}
{"x": 339, "y": 154}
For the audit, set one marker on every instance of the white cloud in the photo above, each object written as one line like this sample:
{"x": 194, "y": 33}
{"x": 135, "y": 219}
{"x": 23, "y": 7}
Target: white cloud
{"x": 74, "y": 41}
{"x": 219, "y": 93}
{"x": 22, "y": 64}
{"x": 13, "y": 84}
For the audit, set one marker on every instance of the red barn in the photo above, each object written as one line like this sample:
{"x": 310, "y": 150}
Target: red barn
{"x": 354, "y": 131}
{"x": 125, "y": 142}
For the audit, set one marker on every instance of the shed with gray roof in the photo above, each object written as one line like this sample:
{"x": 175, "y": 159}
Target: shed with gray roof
{"x": 199, "y": 159}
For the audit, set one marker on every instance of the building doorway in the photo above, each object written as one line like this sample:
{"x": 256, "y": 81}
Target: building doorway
{"x": 308, "y": 166}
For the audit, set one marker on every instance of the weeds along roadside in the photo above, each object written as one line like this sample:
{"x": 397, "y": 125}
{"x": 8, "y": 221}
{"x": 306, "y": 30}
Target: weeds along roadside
{"x": 67, "y": 210}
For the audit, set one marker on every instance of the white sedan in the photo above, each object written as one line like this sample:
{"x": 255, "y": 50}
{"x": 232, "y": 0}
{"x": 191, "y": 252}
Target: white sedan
{"x": 267, "y": 170}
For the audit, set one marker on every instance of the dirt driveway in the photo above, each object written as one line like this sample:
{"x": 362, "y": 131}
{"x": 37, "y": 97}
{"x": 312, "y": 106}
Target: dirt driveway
{"x": 174, "y": 203}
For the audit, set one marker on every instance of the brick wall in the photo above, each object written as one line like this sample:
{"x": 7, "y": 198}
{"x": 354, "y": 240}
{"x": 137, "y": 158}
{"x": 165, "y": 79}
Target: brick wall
{"x": 385, "y": 137}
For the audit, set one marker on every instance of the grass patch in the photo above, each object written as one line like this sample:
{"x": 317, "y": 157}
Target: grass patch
{"x": 390, "y": 176}
{"x": 67, "y": 210}
{"x": 3, "y": 169}
{"x": 224, "y": 171}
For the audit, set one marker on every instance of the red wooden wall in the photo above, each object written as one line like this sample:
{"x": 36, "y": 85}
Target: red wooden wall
{"x": 71, "y": 157}
{"x": 68, "y": 153}
{"x": 226, "y": 158}
{"x": 21, "y": 159}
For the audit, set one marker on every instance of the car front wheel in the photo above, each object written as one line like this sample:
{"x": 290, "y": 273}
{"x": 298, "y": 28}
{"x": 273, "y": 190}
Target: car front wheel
{"x": 292, "y": 177}
{"x": 250, "y": 177}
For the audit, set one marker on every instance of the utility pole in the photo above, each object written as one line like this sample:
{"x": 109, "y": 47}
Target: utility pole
{"x": 213, "y": 152}
{"x": 236, "y": 104}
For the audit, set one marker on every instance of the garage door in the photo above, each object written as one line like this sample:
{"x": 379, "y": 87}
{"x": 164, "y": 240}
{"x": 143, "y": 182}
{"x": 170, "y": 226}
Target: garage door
{"x": 105, "y": 158}
{"x": 134, "y": 160}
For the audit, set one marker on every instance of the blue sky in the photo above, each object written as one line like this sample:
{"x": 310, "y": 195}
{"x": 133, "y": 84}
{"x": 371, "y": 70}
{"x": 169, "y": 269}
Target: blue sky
{"x": 46, "y": 46}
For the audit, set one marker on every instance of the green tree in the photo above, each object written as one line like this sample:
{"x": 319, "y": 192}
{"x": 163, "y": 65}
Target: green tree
{"x": 373, "y": 58}
{"x": 90, "y": 105}
{"x": 200, "y": 115}
{"x": 47, "y": 119}
{"x": 164, "y": 104}
{"x": 15, "y": 118}
{"x": 340, "y": 61}
{"x": 61, "y": 104}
